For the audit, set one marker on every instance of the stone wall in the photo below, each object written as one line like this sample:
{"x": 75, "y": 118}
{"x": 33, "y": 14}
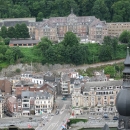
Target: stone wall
{"x": 35, "y": 67}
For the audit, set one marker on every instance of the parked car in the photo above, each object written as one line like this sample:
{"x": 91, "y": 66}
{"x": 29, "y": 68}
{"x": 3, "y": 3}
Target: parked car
{"x": 64, "y": 98}
{"x": 105, "y": 116}
{"x": 99, "y": 118}
{"x": 57, "y": 112}
{"x": 115, "y": 118}
{"x": 92, "y": 118}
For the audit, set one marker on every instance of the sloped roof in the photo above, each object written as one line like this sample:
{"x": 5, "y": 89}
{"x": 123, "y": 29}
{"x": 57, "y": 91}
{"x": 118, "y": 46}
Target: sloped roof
{"x": 102, "y": 84}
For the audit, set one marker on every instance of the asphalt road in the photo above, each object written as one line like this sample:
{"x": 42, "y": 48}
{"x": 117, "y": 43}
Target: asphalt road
{"x": 50, "y": 122}
{"x": 55, "y": 122}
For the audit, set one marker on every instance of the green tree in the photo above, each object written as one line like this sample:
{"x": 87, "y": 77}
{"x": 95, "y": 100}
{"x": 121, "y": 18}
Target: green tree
{"x": 40, "y": 16}
{"x": 17, "y": 31}
{"x": 121, "y": 11}
{"x": 7, "y": 40}
{"x": 16, "y": 53}
{"x": 1, "y": 57}
{"x": 42, "y": 46}
{"x": 125, "y": 37}
{"x": 24, "y": 31}
{"x": 11, "y": 32}
{"x": 110, "y": 70}
{"x": 9, "y": 56}
{"x": 105, "y": 53}
{"x": 3, "y": 32}
{"x": 70, "y": 39}
{"x": 100, "y": 10}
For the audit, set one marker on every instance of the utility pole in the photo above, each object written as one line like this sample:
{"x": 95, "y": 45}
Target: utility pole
{"x": 31, "y": 66}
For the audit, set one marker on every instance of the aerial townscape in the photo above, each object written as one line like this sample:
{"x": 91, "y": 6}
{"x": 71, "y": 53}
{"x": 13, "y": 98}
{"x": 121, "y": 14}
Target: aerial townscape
{"x": 64, "y": 64}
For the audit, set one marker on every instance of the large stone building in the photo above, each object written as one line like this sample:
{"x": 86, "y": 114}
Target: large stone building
{"x": 87, "y": 28}
{"x": 97, "y": 97}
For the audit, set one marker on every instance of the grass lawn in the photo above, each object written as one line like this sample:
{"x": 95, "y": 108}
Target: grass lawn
{"x": 29, "y": 55}
{"x": 4, "y": 64}
{"x": 73, "y": 121}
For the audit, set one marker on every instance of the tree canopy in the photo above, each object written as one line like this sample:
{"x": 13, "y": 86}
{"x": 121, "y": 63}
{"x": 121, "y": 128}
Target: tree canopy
{"x": 109, "y": 10}
{"x": 125, "y": 37}
{"x": 19, "y": 31}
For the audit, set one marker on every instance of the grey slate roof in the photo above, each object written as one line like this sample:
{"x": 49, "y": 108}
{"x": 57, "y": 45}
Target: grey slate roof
{"x": 105, "y": 127}
{"x": 24, "y": 83}
{"x": 42, "y": 95}
{"x": 49, "y": 78}
{"x": 23, "y": 41}
{"x": 102, "y": 84}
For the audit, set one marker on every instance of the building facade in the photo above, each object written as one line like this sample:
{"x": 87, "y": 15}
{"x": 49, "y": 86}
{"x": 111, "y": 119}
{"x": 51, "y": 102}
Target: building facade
{"x": 38, "y": 102}
{"x": 97, "y": 97}
{"x": 87, "y": 28}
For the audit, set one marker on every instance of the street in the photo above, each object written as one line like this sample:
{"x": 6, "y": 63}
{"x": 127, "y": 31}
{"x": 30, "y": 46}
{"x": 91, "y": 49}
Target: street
{"x": 50, "y": 121}
{"x": 55, "y": 122}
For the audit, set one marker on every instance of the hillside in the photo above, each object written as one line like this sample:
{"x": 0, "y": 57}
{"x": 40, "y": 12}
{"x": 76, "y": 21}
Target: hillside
{"x": 109, "y": 10}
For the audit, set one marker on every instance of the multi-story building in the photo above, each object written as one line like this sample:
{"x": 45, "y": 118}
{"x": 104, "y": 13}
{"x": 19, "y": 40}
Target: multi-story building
{"x": 38, "y": 102}
{"x": 115, "y": 29}
{"x": 87, "y": 28}
{"x": 97, "y": 97}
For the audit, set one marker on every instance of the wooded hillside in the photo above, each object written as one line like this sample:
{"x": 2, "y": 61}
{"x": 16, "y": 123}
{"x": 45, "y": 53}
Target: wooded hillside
{"x": 109, "y": 10}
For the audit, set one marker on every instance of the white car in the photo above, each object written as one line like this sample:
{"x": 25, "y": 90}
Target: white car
{"x": 99, "y": 118}
{"x": 92, "y": 118}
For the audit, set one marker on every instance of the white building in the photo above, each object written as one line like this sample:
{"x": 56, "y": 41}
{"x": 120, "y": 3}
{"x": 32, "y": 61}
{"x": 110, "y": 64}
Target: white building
{"x": 37, "y": 79}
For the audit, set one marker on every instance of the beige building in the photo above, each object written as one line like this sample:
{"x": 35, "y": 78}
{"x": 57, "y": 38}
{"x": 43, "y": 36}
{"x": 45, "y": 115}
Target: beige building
{"x": 87, "y": 28}
{"x": 97, "y": 97}
{"x": 115, "y": 29}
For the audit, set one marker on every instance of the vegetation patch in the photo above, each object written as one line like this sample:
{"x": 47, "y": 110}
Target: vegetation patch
{"x": 74, "y": 121}
{"x": 29, "y": 55}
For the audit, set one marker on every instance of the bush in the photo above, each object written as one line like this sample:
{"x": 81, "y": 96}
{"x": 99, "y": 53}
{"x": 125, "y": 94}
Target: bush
{"x": 17, "y": 70}
{"x": 74, "y": 121}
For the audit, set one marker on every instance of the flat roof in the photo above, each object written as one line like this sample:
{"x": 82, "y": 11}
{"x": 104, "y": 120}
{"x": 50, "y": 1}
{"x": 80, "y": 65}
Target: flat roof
{"x": 23, "y": 41}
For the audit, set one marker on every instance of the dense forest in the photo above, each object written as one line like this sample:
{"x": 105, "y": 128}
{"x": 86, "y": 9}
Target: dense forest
{"x": 109, "y": 10}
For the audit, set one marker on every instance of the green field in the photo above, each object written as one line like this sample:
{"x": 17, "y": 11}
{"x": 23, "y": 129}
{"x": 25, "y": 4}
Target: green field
{"x": 29, "y": 55}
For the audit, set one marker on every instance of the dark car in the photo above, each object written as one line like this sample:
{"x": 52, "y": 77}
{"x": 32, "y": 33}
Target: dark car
{"x": 57, "y": 112}
{"x": 115, "y": 118}
{"x": 105, "y": 116}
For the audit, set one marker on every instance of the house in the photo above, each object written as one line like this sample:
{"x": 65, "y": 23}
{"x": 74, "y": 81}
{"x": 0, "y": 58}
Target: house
{"x": 36, "y": 101}
{"x": 37, "y": 79}
{"x": 22, "y": 85}
{"x": 11, "y": 104}
{"x": 5, "y": 87}
{"x": 23, "y": 43}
